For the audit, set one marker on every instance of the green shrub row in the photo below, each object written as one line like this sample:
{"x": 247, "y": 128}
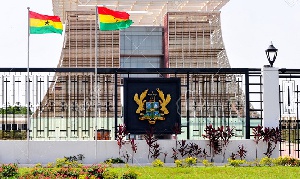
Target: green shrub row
{"x": 64, "y": 168}
{"x": 266, "y": 161}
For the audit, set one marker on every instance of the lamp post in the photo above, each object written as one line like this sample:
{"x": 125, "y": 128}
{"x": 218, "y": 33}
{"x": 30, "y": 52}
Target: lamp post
{"x": 271, "y": 53}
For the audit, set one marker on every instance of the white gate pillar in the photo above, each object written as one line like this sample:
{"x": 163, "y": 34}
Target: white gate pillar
{"x": 271, "y": 113}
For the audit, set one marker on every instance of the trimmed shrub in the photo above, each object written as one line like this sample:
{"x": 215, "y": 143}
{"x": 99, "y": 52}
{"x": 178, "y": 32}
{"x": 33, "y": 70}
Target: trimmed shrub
{"x": 266, "y": 161}
{"x": 157, "y": 163}
{"x": 286, "y": 161}
{"x": 236, "y": 163}
{"x": 190, "y": 161}
{"x": 9, "y": 170}
{"x": 206, "y": 163}
{"x": 130, "y": 175}
{"x": 178, "y": 163}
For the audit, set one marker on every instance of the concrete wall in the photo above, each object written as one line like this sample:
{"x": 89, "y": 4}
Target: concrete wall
{"x": 97, "y": 151}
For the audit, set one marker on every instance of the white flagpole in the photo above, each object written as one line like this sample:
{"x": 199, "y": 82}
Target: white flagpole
{"x": 96, "y": 80}
{"x": 28, "y": 84}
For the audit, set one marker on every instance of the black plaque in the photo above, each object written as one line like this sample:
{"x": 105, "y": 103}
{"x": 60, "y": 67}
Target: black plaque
{"x": 161, "y": 105}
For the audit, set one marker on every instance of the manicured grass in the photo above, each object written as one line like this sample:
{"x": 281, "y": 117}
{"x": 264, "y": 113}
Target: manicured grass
{"x": 213, "y": 172}
{"x": 222, "y": 172}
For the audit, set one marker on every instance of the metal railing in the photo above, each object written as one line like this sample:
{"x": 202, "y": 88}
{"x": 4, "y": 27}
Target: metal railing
{"x": 68, "y": 104}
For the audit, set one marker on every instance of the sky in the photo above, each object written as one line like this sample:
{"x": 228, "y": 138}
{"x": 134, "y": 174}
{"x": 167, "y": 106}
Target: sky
{"x": 44, "y": 50}
{"x": 248, "y": 27}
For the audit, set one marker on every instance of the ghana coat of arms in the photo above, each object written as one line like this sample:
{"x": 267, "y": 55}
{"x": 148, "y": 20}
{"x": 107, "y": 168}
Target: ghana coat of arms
{"x": 152, "y": 110}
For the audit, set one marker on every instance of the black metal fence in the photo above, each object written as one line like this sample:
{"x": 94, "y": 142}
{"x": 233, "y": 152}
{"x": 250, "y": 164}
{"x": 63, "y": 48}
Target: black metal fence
{"x": 73, "y": 103}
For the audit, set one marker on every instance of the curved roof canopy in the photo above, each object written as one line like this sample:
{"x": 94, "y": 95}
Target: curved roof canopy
{"x": 142, "y": 12}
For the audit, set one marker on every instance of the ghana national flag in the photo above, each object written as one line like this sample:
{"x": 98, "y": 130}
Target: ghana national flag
{"x": 113, "y": 20}
{"x": 44, "y": 24}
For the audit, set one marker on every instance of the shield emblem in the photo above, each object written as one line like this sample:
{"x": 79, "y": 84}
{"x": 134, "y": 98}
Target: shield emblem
{"x": 152, "y": 110}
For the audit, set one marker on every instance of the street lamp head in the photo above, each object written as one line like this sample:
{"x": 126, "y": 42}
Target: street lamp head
{"x": 271, "y": 53}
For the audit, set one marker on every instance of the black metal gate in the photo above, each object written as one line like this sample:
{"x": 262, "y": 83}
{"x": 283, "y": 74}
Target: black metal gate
{"x": 289, "y": 80}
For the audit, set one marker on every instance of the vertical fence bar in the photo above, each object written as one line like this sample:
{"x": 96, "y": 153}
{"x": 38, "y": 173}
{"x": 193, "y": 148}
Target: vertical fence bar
{"x": 188, "y": 105}
{"x": 280, "y": 121}
{"x": 289, "y": 120}
{"x": 297, "y": 123}
{"x": 47, "y": 133}
{"x": 40, "y": 103}
{"x": 116, "y": 104}
{"x": 247, "y": 105}
{"x": 6, "y": 104}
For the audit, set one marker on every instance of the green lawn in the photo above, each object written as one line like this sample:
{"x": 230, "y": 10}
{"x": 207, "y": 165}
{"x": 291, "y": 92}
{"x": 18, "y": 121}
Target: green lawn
{"x": 207, "y": 172}
{"x": 214, "y": 172}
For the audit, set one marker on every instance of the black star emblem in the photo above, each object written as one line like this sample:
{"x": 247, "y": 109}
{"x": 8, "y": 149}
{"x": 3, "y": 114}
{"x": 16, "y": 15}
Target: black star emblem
{"x": 116, "y": 19}
{"x": 47, "y": 23}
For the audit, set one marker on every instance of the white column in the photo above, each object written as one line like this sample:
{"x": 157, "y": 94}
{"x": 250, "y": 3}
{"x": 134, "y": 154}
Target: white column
{"x": 271, "y": 111}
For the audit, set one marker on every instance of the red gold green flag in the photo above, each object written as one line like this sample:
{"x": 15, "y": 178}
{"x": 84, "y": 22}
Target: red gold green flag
{"x": 113, "y": 20}
{"x": 44, "y": 24}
